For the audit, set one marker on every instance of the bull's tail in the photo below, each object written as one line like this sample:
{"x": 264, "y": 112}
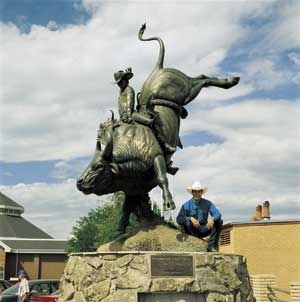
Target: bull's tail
{"x": 160, "y": 61}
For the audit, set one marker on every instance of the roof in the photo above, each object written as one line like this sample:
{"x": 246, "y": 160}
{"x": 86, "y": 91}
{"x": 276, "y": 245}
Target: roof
{"x": 28, "y": 245}
{"x": 260, "y": 222}
{"x": 6, "y": 202}
{"x": 16, "y": 226}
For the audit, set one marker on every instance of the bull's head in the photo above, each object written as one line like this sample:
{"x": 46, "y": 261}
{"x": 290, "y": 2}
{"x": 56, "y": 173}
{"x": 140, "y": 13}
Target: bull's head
{"x": 87, "y": 180}
{"x": 97, "y": 177}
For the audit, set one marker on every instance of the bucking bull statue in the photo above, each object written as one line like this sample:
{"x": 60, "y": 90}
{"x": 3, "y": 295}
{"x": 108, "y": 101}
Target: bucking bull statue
{"x": 131, "y": 159}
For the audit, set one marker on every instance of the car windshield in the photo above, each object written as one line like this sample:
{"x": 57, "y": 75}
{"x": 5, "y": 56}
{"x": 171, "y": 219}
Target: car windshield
{"x": 11, "y": 290}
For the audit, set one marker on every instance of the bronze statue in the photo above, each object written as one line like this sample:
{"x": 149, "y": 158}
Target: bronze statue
{"x": 167, "y": 90}
{"x": 131, "y": 161}
{"x": 137, "y": 153}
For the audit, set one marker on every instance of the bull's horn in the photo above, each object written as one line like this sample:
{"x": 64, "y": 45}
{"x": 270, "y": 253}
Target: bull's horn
{"x": 107, "y": 151}
{"x": 114, "y": 168}
{"x": 112, "y": 115}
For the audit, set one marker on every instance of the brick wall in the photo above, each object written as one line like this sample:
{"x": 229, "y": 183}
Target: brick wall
{"x": 2, "y": 262}
{"x": 270, "y": 248}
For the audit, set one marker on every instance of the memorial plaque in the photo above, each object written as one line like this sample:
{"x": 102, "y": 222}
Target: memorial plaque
{"x": 172, "y": 266}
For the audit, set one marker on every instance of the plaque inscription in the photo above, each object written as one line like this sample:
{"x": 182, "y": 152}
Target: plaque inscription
{"x": 172, "y": 266}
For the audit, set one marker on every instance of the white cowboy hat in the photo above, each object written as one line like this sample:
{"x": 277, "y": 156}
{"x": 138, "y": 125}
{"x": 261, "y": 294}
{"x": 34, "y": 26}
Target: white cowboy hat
{"x": 196, "y": 186}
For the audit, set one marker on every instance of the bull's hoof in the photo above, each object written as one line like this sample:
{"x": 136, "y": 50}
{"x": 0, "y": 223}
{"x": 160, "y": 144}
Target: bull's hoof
{"x": 172, "y": 206}
{"x": 172, "y": 170}
{"x": 233, "y": 81}
{"x": 168, "y": 206}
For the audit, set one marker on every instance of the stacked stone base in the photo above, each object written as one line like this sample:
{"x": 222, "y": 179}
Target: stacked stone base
{"x": 133, "y": 277}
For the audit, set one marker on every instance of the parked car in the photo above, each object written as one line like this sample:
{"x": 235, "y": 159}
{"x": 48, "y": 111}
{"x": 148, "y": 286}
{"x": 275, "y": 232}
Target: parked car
{"x": 4, "y": 285}
{"x": 48, "y": 298}
{"x": 40, "y": 287}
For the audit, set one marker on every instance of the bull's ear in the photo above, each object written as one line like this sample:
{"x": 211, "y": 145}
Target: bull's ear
{"x": 114, "y": 168}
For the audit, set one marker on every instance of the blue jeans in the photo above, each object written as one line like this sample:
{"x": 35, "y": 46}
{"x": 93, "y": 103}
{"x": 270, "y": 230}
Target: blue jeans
{"x": 203, "y": 231}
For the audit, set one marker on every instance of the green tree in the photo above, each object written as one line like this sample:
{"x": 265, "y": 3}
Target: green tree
{"x": 156, "y": 209}
{"x": 99, "y": 226}
{"x": 170, "y": 220}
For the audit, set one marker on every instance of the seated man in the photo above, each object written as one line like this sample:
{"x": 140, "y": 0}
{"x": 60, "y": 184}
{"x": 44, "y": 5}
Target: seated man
{"x": 193, "y": 217}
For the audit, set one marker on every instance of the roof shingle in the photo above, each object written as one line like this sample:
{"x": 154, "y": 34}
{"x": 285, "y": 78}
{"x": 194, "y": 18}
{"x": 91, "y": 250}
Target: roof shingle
{"x": 14, "y": 226}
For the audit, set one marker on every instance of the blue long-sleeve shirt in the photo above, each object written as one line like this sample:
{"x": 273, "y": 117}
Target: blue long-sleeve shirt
{"x": 198, "y": 210}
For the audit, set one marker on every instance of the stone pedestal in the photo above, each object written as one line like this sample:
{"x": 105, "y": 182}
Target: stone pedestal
{"x": 147, "y": 276}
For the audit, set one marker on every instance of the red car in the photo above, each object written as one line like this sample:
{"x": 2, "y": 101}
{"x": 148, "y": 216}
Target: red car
{"x": 46, "y": 298}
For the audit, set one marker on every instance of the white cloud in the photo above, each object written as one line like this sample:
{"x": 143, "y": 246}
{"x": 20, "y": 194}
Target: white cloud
{"x": 282, "y": 36}
{"x": 266, "y": 73}
{"x": 66, "y": 169}
{"x": 295, "y": 58}
{"x": 213, "y": 96}
{"x": 57, "y": 84}
{"x": 54, "y": 208}
{"x": 52, "y": 25}
{"x": 258, "y": 160}
{"x": 91, "y": 5}
{"x": 209, "y": 64}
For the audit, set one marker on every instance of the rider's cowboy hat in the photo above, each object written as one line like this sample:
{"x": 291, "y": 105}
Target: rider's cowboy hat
{"x": 126, "y": 74}
{"x": 196, "y": 186}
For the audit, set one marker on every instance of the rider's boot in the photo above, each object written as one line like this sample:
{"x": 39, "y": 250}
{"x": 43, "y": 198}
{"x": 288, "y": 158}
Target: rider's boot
{"x": 143, "y": 119}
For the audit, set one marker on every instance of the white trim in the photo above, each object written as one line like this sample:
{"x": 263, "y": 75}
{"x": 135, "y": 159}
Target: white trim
{"x": 37, "y": 251}
{"x": 11, "y": 214}
{"x": 20, "y": 208}
{"x": 262, "y": 221}
{"x": 32, "y": 239}
{"x": 7, "y": 249}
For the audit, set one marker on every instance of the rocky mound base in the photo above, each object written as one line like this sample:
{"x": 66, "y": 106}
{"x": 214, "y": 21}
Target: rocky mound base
{"x": 155, "y": 235}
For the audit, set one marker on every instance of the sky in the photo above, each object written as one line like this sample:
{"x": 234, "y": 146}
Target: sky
{"x": 57, "y": 59}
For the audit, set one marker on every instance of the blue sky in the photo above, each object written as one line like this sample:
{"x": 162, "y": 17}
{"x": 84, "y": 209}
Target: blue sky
{"x": 24, "y": 13}
{"x": 57, "y": 62}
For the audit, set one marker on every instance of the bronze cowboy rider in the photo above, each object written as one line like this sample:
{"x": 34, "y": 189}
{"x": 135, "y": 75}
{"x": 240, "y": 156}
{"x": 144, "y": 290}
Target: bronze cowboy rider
{"x": 126, "y": 98}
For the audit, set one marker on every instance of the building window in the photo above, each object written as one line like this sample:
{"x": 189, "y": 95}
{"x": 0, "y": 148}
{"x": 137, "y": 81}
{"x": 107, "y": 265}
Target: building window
{"x": 225, "y": 237}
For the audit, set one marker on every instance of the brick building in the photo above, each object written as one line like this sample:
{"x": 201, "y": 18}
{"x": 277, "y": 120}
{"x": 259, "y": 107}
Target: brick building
{"x": 23, "y": 245}
{"x": 270, "y": 246}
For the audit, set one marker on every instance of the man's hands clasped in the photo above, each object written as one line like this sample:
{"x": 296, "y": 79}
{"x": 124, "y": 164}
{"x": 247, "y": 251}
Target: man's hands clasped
{"x": 196, "y": 224}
